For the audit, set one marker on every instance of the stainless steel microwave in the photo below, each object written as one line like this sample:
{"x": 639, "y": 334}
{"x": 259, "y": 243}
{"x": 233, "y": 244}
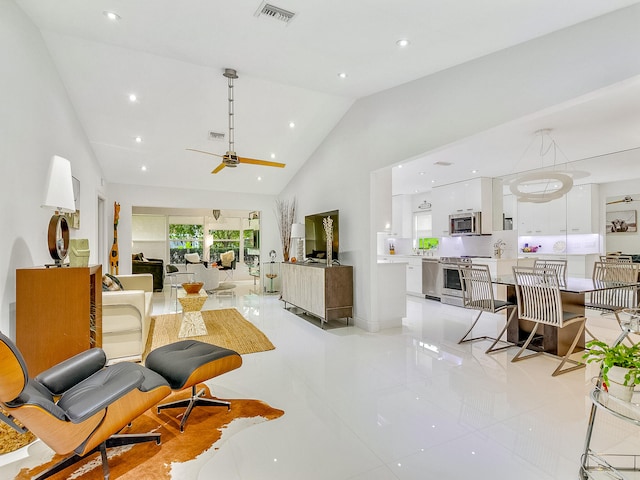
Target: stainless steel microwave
{"x": 469, "y": 223}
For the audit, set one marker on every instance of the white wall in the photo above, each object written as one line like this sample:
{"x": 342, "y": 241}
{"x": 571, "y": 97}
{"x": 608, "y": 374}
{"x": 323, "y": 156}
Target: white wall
{"x": 414, "y": 118}
{"x": 37, "y": 121}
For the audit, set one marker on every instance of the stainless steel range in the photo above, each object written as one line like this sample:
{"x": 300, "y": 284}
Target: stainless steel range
{"x": 451, "y": 286}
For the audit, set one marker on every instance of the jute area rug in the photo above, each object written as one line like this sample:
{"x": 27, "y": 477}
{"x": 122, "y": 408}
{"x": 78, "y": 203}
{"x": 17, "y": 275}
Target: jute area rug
{"x": 175, "y": 458}
{"x": 226, "y": 328}
{"x": 11, "y": 440}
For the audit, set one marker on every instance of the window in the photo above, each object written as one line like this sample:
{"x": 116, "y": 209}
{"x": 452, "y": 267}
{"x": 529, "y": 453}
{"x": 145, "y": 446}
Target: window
{"x": 223, "y": 241}
{"x": 148, "y": 235}
{"x": 184, "y": 238}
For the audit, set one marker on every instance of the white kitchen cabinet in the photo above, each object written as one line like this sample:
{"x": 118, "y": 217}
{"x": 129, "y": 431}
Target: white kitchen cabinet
{"x": 582, "y": 209}
{"x": 414, "y": 276}
{"x": 440, "y": 212}
{"x": 469, "y": 196}
{"x": 401, "y": 215}
{"x": 575, "y": 213}
{"x": 549, "y": 218}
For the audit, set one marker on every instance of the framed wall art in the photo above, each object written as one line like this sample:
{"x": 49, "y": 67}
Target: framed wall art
{"x": 624, "y": 221}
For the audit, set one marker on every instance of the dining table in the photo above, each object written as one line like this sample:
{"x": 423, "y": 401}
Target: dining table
{"x": 573, "y": 293}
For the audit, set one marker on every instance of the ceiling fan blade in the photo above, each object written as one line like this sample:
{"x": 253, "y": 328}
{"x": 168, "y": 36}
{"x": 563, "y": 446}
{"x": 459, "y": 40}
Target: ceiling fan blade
{"x": 265, "y": 163}
{"x": 202, "y": 151}
{"x": 218, "y": 168}
{"x": 626, "y": 199}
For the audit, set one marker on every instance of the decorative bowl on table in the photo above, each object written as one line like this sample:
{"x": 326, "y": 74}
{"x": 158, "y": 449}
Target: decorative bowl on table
{"x": 192, "y": 287}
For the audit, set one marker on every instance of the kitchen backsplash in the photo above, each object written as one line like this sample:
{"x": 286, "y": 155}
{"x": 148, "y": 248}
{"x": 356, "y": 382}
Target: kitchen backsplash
{"x": 480, "y": 246}
{"x": 483, "y": 245}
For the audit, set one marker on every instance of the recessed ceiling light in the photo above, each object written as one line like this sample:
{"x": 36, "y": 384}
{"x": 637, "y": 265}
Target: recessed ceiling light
{"x": 111, "y": 16}
{"x": 403, "y": 42}
{"x": 342, "y": 75}
{"x": 292, "y": 125}
{"x": 474, "y": 171}
{"x": 138, "y": 139}
{"x": 399, "y": 166}
{"x": 144, "y": 168}
{"x": 259, "y": 179}
{"x": 273, "y": 155}
{"x": 133, "y": 97}
{"x": 421, "y": 173}
{"x": 433, "y": 181}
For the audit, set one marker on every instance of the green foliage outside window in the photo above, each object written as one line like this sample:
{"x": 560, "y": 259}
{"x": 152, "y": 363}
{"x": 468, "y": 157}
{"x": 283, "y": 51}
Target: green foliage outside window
{"x": 223, "y": 241}
{"x": 185, "y": 232}
{"x": 185, "y": 238}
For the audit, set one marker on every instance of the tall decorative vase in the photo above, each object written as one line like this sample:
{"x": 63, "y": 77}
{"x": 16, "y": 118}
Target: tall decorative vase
{"x": 328, "y": 230}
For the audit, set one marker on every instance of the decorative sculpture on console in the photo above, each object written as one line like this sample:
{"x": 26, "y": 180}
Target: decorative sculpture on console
{"x": 328, "y": 230}
{"x": 114, "y": 259}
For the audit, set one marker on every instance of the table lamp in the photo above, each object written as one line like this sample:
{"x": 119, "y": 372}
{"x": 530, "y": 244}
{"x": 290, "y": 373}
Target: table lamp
{"x": 298, "y": 232}
{"x": 59, "y": 197}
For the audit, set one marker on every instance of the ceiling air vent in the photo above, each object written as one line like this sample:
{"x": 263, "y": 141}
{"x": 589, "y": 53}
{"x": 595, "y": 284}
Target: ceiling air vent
{"x": 277, "y": 13}
{"x": 216, "y": 136}
{"x": 443, "y": 164}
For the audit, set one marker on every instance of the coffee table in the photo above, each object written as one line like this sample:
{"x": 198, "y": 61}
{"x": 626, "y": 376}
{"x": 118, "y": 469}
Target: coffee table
{"x": 192, "y": 321}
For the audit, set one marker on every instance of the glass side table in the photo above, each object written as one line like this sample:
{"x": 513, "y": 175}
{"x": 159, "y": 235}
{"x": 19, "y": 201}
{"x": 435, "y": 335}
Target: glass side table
{"x": 271, "y": 273}
{"x": 599, "y": 465}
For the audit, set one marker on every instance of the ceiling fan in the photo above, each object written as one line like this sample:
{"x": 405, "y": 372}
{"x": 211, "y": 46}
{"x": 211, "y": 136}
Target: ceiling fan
{"x": 626, "y": 199}
{"x": 231, "y": 159}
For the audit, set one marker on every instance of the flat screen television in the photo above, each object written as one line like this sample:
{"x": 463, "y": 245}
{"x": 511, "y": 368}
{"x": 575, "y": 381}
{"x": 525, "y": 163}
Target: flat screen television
{"x": 315, "y": 240}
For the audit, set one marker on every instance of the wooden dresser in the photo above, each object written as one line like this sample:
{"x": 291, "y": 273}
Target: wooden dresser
{"x": 326, "y": 292}
{"x": 54, "y": 307}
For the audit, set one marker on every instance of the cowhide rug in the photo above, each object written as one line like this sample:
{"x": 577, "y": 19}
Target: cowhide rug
{"x": 203, "y": 431}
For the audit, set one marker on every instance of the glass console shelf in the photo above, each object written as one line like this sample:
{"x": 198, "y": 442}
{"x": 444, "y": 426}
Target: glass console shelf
{"x": 615, "y": 466}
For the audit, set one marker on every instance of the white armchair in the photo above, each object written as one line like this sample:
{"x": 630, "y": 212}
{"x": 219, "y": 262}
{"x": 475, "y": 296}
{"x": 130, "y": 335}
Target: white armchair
{"x": 126, "y": 317}
{"x": 209, "y": 276}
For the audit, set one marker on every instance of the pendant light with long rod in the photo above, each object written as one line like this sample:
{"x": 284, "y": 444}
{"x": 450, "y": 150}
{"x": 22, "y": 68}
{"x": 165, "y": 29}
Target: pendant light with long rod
{"x": 231, "y": 159}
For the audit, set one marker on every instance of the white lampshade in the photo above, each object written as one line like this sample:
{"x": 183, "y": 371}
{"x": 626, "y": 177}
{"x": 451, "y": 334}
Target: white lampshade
{"x": 297, "y": 230}
{"x": 59, "y": 194}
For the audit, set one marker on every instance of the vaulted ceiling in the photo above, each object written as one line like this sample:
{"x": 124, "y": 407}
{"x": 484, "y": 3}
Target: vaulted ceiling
{"x": 172, "y": 55}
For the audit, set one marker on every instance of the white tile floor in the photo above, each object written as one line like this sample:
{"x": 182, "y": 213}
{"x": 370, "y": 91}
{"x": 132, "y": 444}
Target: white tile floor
{"x": 407, "y": 403}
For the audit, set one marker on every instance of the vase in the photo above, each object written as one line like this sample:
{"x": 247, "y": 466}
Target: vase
{"x": 616, "y": 386}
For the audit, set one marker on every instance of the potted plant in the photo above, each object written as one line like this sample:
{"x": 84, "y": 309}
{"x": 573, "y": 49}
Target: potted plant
{"x": 620, "y": 366}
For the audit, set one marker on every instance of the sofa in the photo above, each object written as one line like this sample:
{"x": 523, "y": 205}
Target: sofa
{"x": 126, "y": 317}
{"x": 154, "y": 266}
